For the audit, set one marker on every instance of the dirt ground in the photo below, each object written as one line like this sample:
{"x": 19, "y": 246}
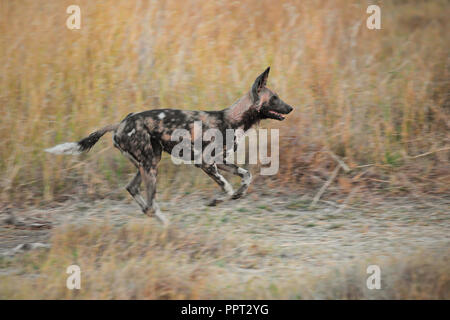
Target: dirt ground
{"x": 295, "y": 235}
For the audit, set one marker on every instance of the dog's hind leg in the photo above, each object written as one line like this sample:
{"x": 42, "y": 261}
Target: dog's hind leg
{"x": 211, "y": 170}
{"x": 245, "y": 175}
{"x": 149, "y": 177}
{"x": 133, "y": 188}
{"x": 151, "y": 155}
{"x": 144, "y": 152}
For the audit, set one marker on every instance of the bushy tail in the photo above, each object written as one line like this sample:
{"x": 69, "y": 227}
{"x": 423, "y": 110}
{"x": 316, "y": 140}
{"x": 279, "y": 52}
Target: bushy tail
{"x": 83, "y": 145}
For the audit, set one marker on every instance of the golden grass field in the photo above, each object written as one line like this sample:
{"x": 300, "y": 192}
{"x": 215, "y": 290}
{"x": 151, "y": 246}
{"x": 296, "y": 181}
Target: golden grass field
{"x": 377, "y": 99}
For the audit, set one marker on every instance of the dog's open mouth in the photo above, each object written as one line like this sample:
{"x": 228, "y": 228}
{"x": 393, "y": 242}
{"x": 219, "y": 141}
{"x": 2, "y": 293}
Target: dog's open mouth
{"x": 276, "y": 115}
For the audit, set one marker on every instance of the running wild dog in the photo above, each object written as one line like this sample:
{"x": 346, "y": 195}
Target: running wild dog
{"x": 142, "y": 137}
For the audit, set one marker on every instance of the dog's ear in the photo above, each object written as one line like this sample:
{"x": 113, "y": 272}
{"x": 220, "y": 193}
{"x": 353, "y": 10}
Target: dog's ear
{"x": 259, "y": 84}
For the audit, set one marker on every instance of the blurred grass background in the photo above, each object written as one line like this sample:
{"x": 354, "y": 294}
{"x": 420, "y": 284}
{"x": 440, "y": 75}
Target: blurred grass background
{"x": 376, "y": 97}
{"x": 139, "y": 261}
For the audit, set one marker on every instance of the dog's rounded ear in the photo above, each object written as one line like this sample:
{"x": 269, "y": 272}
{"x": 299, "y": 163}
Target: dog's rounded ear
{"x": 259, "y": 84}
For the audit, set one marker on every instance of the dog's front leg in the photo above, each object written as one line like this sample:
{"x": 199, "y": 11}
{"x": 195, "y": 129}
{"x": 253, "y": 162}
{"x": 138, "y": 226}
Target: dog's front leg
{"x": 245, "y": 175}
{"x": 211, "y": 170}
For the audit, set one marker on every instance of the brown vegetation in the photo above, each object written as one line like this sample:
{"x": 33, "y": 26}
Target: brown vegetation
{"x": 141, "y": 261}
{"x": 373, "y": 97}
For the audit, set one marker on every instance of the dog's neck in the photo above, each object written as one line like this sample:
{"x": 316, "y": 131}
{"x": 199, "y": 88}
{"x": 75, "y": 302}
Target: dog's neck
{"x": 242, "y": 114}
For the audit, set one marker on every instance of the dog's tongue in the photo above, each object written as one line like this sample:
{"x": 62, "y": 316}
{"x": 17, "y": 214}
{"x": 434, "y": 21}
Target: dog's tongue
{"x": 277, "y": 114}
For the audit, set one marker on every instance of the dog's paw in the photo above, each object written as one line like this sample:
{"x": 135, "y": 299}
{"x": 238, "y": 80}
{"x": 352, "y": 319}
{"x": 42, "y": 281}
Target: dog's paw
{"x": 154, "y": 211}
{"x": 214, "y": 202}
{"x": 238, "y": 194}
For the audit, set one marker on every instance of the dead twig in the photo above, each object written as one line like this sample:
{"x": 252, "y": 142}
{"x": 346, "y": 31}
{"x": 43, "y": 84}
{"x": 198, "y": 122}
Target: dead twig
{"x": 346, "y": 201}
{"x": 365, "y": 165}
{"x": 325, "y": 186}
{"x": 339, "y": 161}
{"x": 430, "y": 152}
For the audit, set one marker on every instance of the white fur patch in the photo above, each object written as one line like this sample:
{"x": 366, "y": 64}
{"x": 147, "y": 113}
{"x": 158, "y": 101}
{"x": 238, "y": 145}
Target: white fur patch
{"x": 162, "y": 115}
{"x": 65, "y": 148}
{"x": 226, "y": 185}
{"x": 247, "y": 176}
{"x": 131, "y": 132}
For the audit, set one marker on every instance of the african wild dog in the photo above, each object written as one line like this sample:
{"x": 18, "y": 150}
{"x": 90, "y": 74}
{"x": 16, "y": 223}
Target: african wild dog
{"x": 143, "y": 136}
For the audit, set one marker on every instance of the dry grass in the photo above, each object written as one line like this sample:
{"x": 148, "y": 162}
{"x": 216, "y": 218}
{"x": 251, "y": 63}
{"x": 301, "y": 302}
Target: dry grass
{"x": 370, "y": 96}
{"x": 140, "y": 261}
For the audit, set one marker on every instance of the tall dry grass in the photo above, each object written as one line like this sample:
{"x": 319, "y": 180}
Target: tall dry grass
{"x": 371, "y": 96}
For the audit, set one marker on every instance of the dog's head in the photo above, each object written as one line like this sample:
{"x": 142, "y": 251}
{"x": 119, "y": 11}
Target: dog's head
{"x": 267, "y": 102}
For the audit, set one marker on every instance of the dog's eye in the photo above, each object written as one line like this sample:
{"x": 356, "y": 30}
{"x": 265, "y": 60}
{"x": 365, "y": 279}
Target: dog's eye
{"x": 274, "y": 98}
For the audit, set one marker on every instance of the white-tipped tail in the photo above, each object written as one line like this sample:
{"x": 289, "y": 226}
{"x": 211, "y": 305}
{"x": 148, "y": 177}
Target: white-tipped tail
{"x": 65, "y": 148}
